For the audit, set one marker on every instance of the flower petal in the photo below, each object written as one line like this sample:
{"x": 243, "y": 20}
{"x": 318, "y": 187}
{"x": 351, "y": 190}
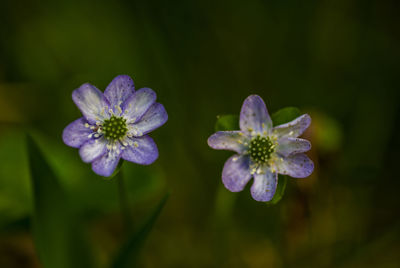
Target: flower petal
{"x": 142, "y": 151}
{"x": 294, "y": 128}
{"x": 106, "y": 164}
{"x": 76, "y": 134}
{"x": 254, "y": 115}
{"x": 137, "y": 104}
{"x": 118, "y": 91}
{"x": 296, "y": 166}
{"x": 155, "y": 117}
{"x": 236, "y": 173}
{"x": 289, "y": 146}
{"x": 92, "y": 149}
{"x": 228, "y": 140}
{"x": 264, "y": 186}
{"x": 91, "y": 102}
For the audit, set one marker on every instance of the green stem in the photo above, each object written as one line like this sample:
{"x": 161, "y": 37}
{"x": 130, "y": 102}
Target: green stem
{"x": 123, "y": 201}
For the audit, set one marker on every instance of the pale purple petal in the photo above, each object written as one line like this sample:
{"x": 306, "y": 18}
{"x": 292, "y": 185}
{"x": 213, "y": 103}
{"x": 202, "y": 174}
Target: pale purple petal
{"x": 296, "y": 166}
{"x": 236, "y": 173}
{"x": 294, "y": 128}
{"x": 155, "y": 117}
{"x": 264, "y": 186}
{"x": 254, "y": 115}
{"x": 142, "y": 151}
{"x": 76, "y": 134}
{"x": 92, "y": 149}
{"x": 118, "y": 91}
{"x": 289, "y": 146}
{"x": 91, "y": 102}
{"x": 137, "y": 104}
{"x": 228, "y": 140}
{"x": 106, "y": 164}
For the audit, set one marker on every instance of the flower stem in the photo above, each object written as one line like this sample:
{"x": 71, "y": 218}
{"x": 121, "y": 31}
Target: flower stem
{"x": 124, "y": 202}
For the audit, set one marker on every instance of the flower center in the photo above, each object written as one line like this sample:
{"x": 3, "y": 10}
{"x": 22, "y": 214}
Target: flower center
{"x": 261, "y": 149}
{"x": 114, "y": 128}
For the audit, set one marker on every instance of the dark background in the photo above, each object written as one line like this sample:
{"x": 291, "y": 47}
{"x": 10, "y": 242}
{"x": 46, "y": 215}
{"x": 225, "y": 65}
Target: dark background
{"x": 336, "y": 60}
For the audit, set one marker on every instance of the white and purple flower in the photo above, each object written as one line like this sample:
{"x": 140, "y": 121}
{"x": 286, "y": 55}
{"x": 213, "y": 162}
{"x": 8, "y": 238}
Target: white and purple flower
{"x": 114, "y": 125}
{"x": 263, "y": 151}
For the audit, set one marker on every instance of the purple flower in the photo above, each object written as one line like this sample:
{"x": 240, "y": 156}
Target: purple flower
{"x": 263, "y": 151}
{"x": 114, "y": 125}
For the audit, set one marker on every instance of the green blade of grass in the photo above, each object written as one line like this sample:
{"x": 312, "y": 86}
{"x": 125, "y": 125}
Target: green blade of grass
{"x": 55, "y": 229}
{"x": 128, "y": 253}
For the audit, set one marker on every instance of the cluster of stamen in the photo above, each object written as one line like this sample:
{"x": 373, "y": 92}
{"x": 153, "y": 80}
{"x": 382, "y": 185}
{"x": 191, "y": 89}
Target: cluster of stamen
{"x": 114, "y": 128}
{"x": 260, "y": 149}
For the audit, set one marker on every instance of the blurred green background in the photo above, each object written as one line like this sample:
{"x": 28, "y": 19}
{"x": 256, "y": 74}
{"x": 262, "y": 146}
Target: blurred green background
{"x": 336, "y": 60}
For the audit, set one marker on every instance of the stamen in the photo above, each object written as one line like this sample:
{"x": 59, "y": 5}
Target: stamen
{"x": 260, "y": 149}
{"x": 118, "y": 108}
{"x": 114, "y": 128}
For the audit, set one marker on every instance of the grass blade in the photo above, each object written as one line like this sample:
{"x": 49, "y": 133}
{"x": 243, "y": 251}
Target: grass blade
{"x": 55, "y": 229}
{"x": 128, "y": 254}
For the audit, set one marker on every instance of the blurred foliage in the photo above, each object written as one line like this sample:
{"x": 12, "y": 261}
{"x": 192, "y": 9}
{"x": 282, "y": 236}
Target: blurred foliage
{"x": 328, "y": 133}
{"x": 55, "y": 229}
{"x": 336, "y": 60}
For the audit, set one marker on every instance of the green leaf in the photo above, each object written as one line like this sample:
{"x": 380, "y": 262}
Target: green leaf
{"x": 285, "y": 115}
{"x": 280, "y": 190}
{"x": 116, "y": 170}
{"x": 55, "y": 229}
{"x": 128, "y": 253}
{"x": 227, "y": 122}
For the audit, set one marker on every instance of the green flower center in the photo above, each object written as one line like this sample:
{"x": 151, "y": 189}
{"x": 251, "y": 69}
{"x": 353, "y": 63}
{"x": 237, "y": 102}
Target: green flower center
{"x": 261, "y": 149}
{"x": 114, "y": 128}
